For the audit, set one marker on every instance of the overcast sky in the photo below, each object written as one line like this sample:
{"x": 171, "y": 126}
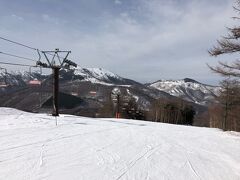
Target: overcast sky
{"x": 144, "y": 40}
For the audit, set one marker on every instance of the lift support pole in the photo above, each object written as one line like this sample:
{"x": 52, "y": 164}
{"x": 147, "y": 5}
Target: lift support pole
{"x": 55, "y": 90}
{"x": 64, "y": 63}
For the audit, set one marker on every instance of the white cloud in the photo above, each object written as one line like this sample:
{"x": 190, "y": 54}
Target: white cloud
{"x": 151, "y": 40}
{"x": 175, "y": 47}
{"x": 118, "y": 2}
{"x": 50, "y": 19}
{"x": 17, "y": 17}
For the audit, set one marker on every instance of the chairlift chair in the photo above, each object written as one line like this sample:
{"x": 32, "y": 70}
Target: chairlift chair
{"x": 36, "y": 83}
{"x": 3, "y": 82}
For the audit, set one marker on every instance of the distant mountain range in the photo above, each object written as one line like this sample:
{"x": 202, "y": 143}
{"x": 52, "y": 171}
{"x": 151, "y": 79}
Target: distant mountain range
{"x": 81, "y": 81}
{"x": 93, "y": 75}
{"x": 188, "y": 89}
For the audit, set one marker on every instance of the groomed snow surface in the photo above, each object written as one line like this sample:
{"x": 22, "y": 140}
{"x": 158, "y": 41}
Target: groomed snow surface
{"x": 32, "y": 147}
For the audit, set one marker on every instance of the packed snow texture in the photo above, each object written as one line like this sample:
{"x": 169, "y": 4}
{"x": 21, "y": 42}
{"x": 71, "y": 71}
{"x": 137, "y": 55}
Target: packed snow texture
{"x": 32, "y": 147}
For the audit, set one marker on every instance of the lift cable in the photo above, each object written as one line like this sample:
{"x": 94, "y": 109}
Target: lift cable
{"x": 26, "y": 46}
{"x": 14, "y": 42}
{"x": 17, "y": 64}
{"x": 16, "y": 56}
{"x": 35, "y": 49}
{"x": 38, "y": 51}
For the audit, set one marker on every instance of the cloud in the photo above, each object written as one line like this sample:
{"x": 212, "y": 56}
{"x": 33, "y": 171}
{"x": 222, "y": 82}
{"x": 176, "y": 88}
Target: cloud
{"x": 118, "y": 2}
{"x": 17, "y": 17}
{"x": 142, "y": 40}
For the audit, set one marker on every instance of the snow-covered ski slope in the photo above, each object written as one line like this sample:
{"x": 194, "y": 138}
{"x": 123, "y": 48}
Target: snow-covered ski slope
{"x": 32, "y": 147}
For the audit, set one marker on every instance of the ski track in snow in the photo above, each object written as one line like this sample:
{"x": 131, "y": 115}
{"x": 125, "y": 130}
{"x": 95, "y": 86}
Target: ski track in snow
{"x": 191, "y": 166}
{"x": 138, "y": 158}
{"x": 33, "y": 147}
{"x": 41, "y": 156}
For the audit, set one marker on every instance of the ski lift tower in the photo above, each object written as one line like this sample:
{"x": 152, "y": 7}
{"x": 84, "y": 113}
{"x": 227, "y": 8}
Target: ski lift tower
{"x": 115, "y": 95}
{"x": 56, "y": 62}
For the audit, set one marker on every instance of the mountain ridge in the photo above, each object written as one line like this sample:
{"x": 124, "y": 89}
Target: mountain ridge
{"x": 187, "y": 88}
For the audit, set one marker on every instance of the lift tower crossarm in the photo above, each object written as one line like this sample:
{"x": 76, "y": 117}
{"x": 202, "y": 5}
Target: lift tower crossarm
{"x": 55, "y": 69}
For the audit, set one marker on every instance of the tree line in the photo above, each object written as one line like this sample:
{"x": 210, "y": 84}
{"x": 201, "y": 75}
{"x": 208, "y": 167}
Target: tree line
{"x": 172, "y": 111}
{"x": 162, "y": 110}
{"x": 226, "y": 113}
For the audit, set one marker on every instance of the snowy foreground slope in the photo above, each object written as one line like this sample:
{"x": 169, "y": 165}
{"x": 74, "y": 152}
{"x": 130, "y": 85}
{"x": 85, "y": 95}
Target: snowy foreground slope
{"x": 33, "y": 147}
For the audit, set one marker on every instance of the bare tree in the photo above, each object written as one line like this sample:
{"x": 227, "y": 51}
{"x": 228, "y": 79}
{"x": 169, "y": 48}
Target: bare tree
{"x": 225, "y": 114}
{"x": 229, "y": 98}
{"x": 172, "y": 111}
{"x": 227, "y": 45}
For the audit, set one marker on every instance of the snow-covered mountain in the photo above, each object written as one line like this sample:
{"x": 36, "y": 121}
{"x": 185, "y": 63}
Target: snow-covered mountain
{"x": 11, "y": 79}
{"x": 83, "y": 80}
{"x": 78, "y": 82}
{"x": 92, "y": 75}
{"x": 187, "y": 89}
{"x": 100, "y": 76}
{"x": 33, "y": 147}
